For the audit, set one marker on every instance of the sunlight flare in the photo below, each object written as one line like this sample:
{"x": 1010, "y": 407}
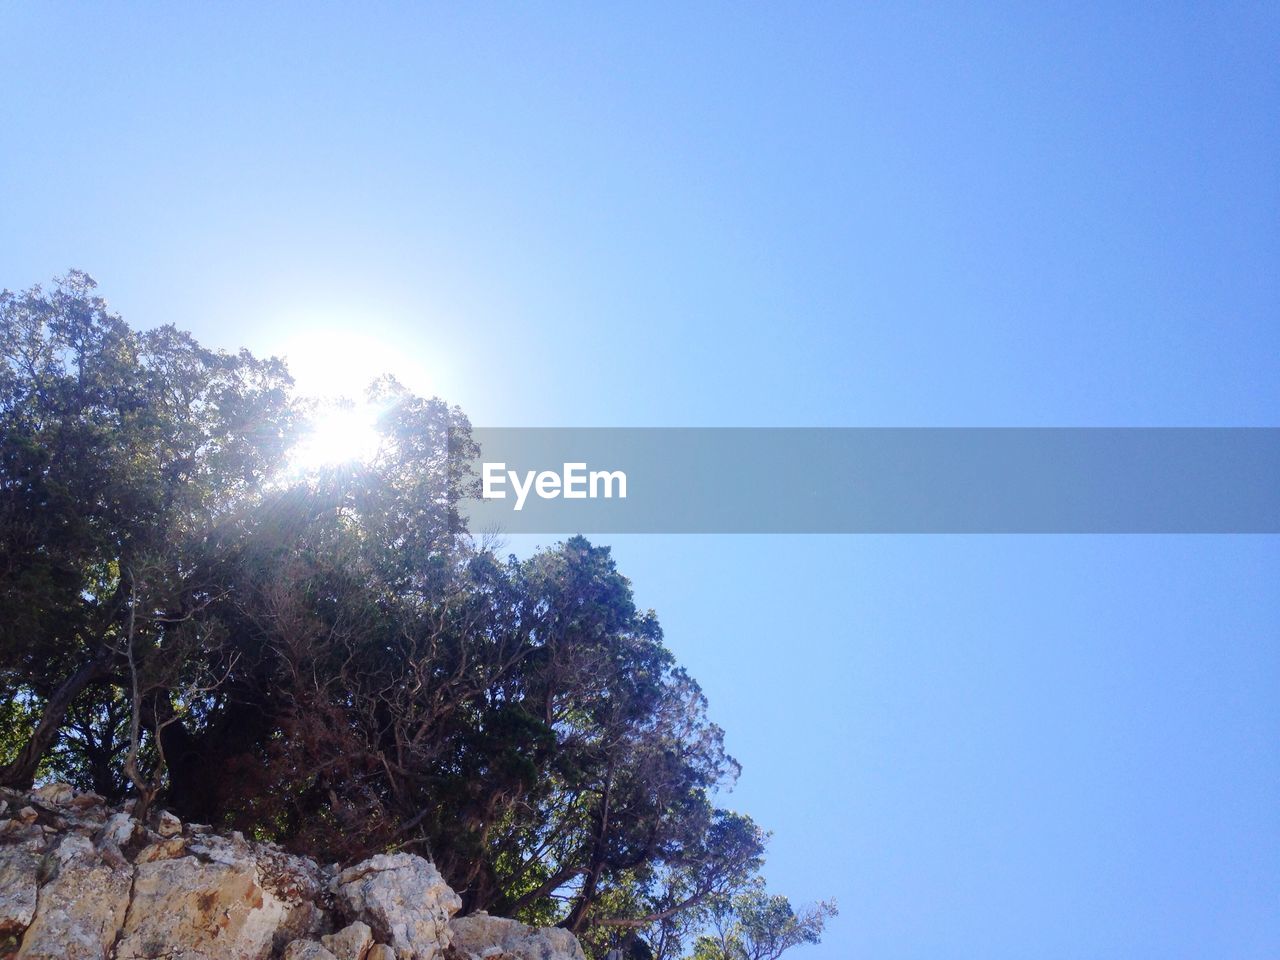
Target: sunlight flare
{"x": 338, "y": 436}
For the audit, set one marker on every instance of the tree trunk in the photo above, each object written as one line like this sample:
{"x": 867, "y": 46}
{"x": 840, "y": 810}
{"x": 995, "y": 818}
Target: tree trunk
{"x": 578, "y": 915}
{"x": 197, "y": 759}
{"x": 20, "y": 772}
{"x": 563, "y": 876}
{"x": 190, "y": 794}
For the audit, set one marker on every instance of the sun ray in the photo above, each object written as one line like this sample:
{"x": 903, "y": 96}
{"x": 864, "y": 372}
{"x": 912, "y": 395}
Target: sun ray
{"x": 338, "y": 435}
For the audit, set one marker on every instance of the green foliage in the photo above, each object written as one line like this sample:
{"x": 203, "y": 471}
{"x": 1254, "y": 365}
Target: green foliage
{"x": 19, "y": 714}
{"x": 120, "y": 454}
{"x": 756, "y": 925}
{"x": 90, "y": 754}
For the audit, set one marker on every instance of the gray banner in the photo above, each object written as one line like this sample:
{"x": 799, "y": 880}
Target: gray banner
{"x": 885, "y": 480}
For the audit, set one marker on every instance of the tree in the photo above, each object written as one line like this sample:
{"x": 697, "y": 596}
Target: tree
{"x": 329, "y": 659}
{"x": 115, "y": 446}
{"x": 756, "y": 925}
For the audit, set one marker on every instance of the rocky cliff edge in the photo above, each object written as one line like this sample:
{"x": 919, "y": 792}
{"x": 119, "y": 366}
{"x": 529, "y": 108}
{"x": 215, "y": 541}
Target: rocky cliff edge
{"x": 80, "y": 880}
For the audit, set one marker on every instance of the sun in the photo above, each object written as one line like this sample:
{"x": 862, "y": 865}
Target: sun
{"x": 332, "y": 362}
{"x": 337, "y": 436}
{"x": 329, "y": 361}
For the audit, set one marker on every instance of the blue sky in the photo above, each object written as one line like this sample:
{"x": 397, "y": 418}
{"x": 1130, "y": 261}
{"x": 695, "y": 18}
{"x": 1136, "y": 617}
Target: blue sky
{"x": 754, "y": 215}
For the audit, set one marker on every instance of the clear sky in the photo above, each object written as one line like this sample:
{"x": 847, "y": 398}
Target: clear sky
{"x": 759, "y": 215}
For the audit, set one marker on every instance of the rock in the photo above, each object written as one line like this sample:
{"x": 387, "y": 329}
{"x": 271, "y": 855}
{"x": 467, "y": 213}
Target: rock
{"x": 55, "y": 793}
{"x": 351, "y": 942}
{"x": 219, "y": 902}
{"x": 81, "y": 907}
{"x": 307, "y": 950}
{"x": 118, "y": 829}
{"x": 80, "y": 880}
{"x": 86, "y": 801}
{"x": 482, "y": 936}
{"x": 19, "y": 870}
{"x": 162, "y": 850}
{"x": 167, "y": 825}
{"x": 404, "y": 899}
{"x": 111, "y": 855}
{"x": 15, "y": 831}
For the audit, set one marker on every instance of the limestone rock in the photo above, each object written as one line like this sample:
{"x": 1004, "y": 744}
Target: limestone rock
{"x": 17, "y": 832}
{"x": 86, "y": 801}
{"x": 307, "y": 950}
{"x": 19, "y": 872}
{"x": 351, "y": 942}
{"x": 55, "y": 793}
{"x": 119, "y": 829}
{"x": 80, "y": 880}
{"x": 482, "y": 937}
{"x": 218, "y": 902}
{"x": 162, "y": 850}
{"x": 167, "y": 825}
{"x": 80, "y": 908}
{"x": 404, "y": 900}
